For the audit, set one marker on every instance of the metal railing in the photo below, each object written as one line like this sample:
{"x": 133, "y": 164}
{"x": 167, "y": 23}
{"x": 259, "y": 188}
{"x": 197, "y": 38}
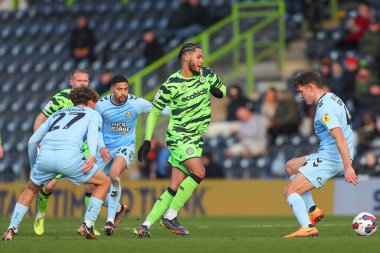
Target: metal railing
{"x": 266, "y": 13}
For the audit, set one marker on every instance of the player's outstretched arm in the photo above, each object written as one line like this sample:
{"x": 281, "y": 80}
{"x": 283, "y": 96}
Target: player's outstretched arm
{"x": 151, "y": 122}
{"x": 350, "y": 175}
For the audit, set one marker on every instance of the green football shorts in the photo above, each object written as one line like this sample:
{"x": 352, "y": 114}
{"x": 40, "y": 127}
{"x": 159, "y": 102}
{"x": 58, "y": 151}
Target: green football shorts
{"x": 180, "y": 153}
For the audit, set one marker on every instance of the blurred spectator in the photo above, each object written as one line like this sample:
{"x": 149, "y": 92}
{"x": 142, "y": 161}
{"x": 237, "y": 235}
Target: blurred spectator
{"x": 370, "y": 102}
{"x": 367, "y": 133}
{"x": 370, "y": 42}
{"x": 337, "y": 80}
{"x": 153, "y": 50}
{"x": 252, "y": 135}
{"x": 283, "y": 115}
{"x": 163, "y": 167}
{"x": 325, "y": 69}
{"x": 1, "y": 148}
{"x": 351, "y": 65}
{"x": 356, "y": 27}
{"x": 313, "y": 11}
{"x": 82, "y": 41}
{"x": 236, "y": 99}
{"x": 148, "y": 167}
{"x": 370, "y": 164}
{"x": 363, "y": 79}
{"x": 189, "y": 19}
{"x": 104, "y": 84}
{"x": 269, "y": 104}
{"x": 156, "y": 166}
{"x": 213, "y": 170}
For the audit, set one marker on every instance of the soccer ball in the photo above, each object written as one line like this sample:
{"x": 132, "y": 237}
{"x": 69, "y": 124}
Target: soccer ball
{"x": 364, "y": 224}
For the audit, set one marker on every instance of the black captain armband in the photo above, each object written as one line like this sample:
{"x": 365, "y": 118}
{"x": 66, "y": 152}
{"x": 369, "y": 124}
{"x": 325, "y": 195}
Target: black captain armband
{"x": 216, "y": 92}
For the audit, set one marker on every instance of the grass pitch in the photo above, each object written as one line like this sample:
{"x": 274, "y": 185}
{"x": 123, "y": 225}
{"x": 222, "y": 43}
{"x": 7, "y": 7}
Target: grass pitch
{"x": 227, "y": 234}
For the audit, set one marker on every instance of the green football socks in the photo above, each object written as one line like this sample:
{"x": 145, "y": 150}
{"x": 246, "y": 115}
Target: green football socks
{"x": 43, "y": 199}
{"x": 161, "y": 205}
{"x": 185, "y": 191}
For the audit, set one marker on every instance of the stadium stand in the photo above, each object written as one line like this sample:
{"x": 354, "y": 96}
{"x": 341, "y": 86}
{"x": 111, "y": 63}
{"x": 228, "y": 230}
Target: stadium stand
{"x": 35, "y": 63}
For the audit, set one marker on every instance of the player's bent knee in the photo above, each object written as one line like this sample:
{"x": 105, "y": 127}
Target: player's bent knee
{"x": 201, "y": 173}
{"x": 174, "y": 186}
{"x": 106, "y": 181}
{"x": 196, "y": 178}
{"x": 287, "y": 191}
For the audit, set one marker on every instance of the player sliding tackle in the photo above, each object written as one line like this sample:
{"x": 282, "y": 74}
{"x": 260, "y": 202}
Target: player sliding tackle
{"x": 332, "y": 124}
{"x": 187, "y": 92}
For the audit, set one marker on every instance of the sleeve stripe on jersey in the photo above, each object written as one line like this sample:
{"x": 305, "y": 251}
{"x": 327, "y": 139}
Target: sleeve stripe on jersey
{"x": 157, "y": 106}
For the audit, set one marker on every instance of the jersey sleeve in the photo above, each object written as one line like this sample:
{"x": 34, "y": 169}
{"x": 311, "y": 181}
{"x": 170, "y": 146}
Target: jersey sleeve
{"x": 151, "y": 122}
{"x": 57, "y": 102}
{"x": 94, "y": 127}
{"x": 162, "y": 98}
{"x": 143, "y": 106}
{"x": 215, "y": 81}
{"x": 329, "y": 119}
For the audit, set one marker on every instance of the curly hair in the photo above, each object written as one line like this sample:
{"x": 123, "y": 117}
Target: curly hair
{"x": 307, "y": 77}
{"x": 82, "y": 95}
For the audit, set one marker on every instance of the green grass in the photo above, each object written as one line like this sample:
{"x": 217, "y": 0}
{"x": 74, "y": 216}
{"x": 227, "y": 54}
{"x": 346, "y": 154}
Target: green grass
{"x": 232, "y": 234}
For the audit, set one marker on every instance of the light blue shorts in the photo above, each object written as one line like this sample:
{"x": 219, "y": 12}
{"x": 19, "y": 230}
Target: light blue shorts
{"x": 66, "y": 162}
{"x": 319, "y": 170}
{"x": 126, "y": 152}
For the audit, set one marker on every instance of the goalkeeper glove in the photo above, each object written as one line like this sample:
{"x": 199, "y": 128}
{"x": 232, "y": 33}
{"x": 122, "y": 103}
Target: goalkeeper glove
{"x": 143, "y": 150}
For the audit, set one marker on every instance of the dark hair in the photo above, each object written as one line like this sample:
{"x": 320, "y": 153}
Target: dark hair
{"x": 187, "y": 47}
{"x": 82, "y": 95}
{"x": 118, "y": 79}
{"x": 307, "y": 77}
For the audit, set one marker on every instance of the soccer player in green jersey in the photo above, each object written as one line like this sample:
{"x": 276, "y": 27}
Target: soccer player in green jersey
{"x": 187, "y": 92}
{"x": 79, "y": 78}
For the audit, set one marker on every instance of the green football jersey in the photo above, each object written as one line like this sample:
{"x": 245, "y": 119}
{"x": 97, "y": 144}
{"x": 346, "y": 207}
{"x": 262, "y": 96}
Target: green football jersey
{"x": 58, "y": 101}
{"x": 189, "y": 102}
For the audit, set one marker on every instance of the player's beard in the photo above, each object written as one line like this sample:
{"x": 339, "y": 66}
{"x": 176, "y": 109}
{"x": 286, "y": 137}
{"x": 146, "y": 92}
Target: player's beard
{"x": 193, "y": 68}
{"x": 121, "y": 99}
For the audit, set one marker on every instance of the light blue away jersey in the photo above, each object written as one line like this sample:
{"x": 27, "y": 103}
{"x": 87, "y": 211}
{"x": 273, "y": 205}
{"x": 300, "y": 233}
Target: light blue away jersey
{"x": 331, "y": 113}
{"x": 119, "y": 120}
{"x": 67, "y": 129}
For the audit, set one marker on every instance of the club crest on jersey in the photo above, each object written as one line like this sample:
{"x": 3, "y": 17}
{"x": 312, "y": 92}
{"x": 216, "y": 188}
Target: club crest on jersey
{"x": 128, "y": 115}
{"x": 202, "y": 79}
{"x": 190, "y": 151}
{"x": 326, "y": 118}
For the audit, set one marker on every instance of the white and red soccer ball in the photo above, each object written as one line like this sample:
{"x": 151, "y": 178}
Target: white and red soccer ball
{"x": 364, "y": 224}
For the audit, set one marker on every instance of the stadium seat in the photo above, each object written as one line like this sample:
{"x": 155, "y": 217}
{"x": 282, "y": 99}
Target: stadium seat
{"x": 35, "y": 58}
